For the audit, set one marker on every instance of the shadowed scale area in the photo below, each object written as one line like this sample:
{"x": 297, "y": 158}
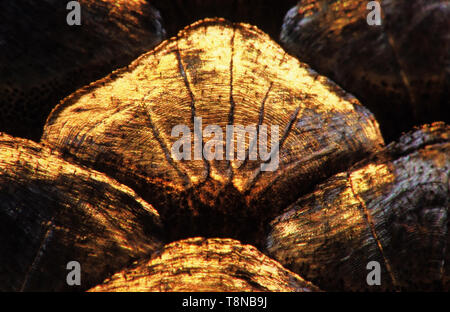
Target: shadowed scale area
{"x": 266, "y": 14}
{"x": 43, "y": 59}
{"x": 399, "y": 69}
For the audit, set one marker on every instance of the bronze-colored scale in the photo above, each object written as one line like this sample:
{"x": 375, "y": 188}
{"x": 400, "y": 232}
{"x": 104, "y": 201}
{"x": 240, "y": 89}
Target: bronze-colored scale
{"x": 227, "y": 74}
{"x": 54, "y": 212}
{"x": 206, "y": 265}
{"x": 391, "y": 208}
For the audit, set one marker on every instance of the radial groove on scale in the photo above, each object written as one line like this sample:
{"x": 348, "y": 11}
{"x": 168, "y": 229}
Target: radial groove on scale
{"x": 222, "y": 73}
{"x": 391, "y": 208}
{"x": 53, "y": 212}
{"x": 212, "y": 265}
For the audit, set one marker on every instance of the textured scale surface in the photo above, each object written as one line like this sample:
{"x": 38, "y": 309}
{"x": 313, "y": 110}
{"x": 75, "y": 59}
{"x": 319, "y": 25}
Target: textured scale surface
{"x": 53, "y": 212}
{"x": 391, "y": 208}
{"x": 399, "y": 69}
{"x": 227, "y": 74}
{"x": 199, "y": 264}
